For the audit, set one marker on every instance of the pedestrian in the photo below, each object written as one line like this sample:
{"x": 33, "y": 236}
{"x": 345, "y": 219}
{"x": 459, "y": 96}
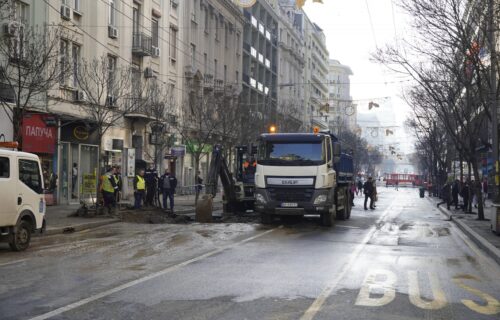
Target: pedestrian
{"x": 360, "y": 187}
{"x": 167, "y": 184}
{"x": 352, "y": 192}
{"x": 119, "y": 183}
{"x": 455, "y": 189}
{"x": 108, "y": 188}
{"x": 446, "y": 195}
{"x": 139, "y": 189}
{"x": 74, "y": 179}
{"x": 374, "y": 193}
{"x": 151, "y": 179}
{"x": 485, "y": 190}
{"x": 368, "y": 191}
{"x": 199, "y": 183}
{"x": 397, "y": 185}
{"x": 465, "y": 193}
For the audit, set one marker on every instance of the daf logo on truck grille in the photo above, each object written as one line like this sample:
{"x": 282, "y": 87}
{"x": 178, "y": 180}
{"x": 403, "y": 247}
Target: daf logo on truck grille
{"x": 290, "y": 181}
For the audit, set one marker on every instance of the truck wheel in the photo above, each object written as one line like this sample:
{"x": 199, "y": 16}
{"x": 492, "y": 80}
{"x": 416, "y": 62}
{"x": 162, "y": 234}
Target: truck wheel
{"x": 266, "y": 218}
{"x": 20, "y": 240}
{"x": 327, "y": 219}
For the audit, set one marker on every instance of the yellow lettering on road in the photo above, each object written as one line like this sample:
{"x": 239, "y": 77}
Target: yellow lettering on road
{"x": 437, "y": 293}
{"x": 492, "y": 305}
{"x": 377, "y": 281}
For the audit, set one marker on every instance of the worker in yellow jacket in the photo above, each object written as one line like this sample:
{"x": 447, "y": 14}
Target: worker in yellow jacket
{"x": 108, "y": 188}
{"x": 139, "y": 189}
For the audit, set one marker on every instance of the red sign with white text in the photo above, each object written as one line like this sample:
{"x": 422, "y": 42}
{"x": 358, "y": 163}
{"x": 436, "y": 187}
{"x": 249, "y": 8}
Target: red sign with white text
{"x": 37, "y": 136}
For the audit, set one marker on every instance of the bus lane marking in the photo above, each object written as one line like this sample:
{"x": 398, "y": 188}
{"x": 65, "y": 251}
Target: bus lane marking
{"x": 379, "y": 281}
{"x": 438, "y": 294}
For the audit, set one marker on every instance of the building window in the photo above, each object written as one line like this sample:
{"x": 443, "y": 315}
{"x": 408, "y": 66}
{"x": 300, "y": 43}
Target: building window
{"x": 111, "y": 74}
{"x": 205, "y": 63}
{"x": 215, "y": 68}
{"x": 237, "y": 43}
{"x": 237, "y": 74}
{"x": 22, "y": 12}
{"x": 63, "y": 60}
{"x": 75, "y": 56}
{"x": 76, "y": 5}
{"x": 193, "y": 10}
{"x": 216, "y": 29}
{"x": 226, "y": 35}
{"x": 154, "y": 32}
{"x": 135, "y": 20}
{"x": 207, "y": 21}
{"x": 193, "y": 55}
{"x": 173, "y": 43}
{"x": 225, "y": 73}
{"x": 112, "y": 13}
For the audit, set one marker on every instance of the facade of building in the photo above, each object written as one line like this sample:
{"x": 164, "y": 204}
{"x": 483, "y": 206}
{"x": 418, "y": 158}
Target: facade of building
{"x": 342, "y": 111}
{"x": 259, "y": 96}
{"x": 212, "y": 38}
{"x": 291, "y": 51}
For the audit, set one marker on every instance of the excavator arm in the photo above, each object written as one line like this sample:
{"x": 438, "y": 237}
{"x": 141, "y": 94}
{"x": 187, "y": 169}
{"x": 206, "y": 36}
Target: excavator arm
{"x": 219, "y": 168}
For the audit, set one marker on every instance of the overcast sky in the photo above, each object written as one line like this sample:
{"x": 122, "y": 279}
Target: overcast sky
{"x": 351, "y": 39}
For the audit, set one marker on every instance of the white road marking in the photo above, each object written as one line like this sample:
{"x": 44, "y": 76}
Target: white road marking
{"x": 373, "y": 284}
{"x": 12, "y": 262}
{"x": 320, "y": 300}
{"x": 414, "y": 292}
{"x": 143, "y": 279}
{"x": 345, "y": 226}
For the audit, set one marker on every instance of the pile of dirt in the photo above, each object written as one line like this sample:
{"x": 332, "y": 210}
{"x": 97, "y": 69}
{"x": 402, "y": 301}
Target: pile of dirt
{"x": 152, "y": 217}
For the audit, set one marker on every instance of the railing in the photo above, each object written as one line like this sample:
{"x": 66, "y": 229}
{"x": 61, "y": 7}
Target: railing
{"x": 141, "y": 44}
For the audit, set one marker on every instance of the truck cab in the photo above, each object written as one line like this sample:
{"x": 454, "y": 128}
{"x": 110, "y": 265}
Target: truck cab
{"x": 302, "y": 174}
{"x": 21, "y": 194}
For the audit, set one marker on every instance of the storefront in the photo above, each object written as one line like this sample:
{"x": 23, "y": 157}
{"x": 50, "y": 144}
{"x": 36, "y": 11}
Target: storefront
{"x": 39, "y": 136}
{"x": 78, "y": 162}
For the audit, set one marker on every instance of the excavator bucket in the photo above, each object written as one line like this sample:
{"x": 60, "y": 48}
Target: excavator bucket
{"x": 204, "y": 209}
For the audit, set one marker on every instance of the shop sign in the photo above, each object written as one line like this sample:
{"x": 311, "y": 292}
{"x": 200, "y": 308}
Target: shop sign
{"x": 89, "y": 183}
{"x": 193, "y": 146}
{"x": 178, "y": 151}
{"x": 37, "y": 136}
{"x": 78, "y": 133}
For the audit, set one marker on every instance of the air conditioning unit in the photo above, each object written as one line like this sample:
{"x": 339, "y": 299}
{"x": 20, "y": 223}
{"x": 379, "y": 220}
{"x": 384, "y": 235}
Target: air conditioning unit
{"x": 110, "y": 101}
{"x": 80, "y": 96}
{"x": 11, "y": 29}
{"x": 156, "y": 51}
{"x": 65, "y": 12}
{"x": 148, "y": 73}
{"x": 112, "y": 32}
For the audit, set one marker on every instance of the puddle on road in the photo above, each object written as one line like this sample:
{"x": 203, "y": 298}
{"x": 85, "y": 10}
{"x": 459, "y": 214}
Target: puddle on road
{"x": 206, "y": 233}
{"x": 142, "y": 253}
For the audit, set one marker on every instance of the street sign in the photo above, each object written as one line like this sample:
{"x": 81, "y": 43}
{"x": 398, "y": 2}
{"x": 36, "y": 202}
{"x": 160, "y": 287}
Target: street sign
{"x": 178, "y": 151}
{"x": 130, "y": 163}
{"x": 89, "y": 183}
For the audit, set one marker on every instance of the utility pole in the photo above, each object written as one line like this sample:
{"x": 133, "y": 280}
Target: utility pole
{"x": 493, "y": 93}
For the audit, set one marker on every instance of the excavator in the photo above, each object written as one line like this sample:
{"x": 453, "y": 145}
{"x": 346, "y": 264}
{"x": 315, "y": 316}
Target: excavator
{"x": 238, "y": 196}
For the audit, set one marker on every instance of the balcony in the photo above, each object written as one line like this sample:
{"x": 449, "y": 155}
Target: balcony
{"x": 141, "y": 45}
{"x": 219, "y": 86}
{"x": 208, "y": 82}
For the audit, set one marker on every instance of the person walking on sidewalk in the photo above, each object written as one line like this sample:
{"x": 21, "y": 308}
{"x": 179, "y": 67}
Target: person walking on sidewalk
{"x": 465, "y": 193}
{"x": 397, "y": 185}
{"x": 485, "y": 190}
{"x": 446, "y": 195}
{"x": 368, "y": 191}
{"x": 109, "y": 187}
{"x": 139, "y": 189}
{"x": 167, "y": 184}
{"x": 455, "y": 188}
{"x": 360, "y": 188}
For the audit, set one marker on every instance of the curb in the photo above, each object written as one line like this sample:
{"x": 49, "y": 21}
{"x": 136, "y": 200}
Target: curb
{"x": 78, "y": 227}
{"x": 481, "y": 242}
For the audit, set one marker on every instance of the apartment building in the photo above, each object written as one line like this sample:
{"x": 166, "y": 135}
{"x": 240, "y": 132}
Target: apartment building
{"x": 259, "y": 96}
{"x": 342, "y": 111}
{"x": 316, "y": 74}
{"x": 115, "y": 35}
{"x": 210, "y": 61}
{"x": 291, "y": 51}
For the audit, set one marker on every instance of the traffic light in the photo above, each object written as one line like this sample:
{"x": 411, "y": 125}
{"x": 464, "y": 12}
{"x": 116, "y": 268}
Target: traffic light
{"x": 388, "y": 132}
{"x": 372, "y": 105}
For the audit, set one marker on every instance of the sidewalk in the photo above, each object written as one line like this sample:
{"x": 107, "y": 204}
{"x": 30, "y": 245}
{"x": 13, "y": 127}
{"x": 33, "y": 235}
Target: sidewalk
{"x": 58, "y": 221}
{"x": 478, "y": 231}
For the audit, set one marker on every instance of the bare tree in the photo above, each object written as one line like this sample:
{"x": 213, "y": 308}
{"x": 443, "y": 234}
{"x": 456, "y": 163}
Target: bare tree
{"x": 162, "y": 111}
{"x": 29, "y": 68}
{"x": 289, "y": 116}
{"x": 447, "y": 62}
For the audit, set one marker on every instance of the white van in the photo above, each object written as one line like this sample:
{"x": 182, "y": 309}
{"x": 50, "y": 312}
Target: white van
{"x": 22, "y": 203}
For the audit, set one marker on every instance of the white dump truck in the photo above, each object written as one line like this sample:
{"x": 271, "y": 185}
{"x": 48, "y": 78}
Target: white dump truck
{"x": 301, "y": 174}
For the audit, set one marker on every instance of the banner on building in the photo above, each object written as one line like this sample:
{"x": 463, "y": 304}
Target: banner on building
{"x": 131, "y": 163}
{"x": 38, "y": 136}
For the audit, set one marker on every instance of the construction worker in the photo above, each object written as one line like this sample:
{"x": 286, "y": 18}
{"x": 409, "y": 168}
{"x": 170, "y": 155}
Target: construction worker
{"x": 119, "y": 183}
{"x": 139, "y": 189}
{"x": 249, "y": 167}
{"x": 151, "y": 178}
{"x": 109, "y": 187}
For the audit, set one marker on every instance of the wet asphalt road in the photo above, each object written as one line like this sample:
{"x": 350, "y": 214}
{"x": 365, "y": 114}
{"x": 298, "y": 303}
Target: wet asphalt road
{"x": 401, "y": 261}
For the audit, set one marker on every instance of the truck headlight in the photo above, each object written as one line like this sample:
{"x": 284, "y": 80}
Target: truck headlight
{"x": 321, "y": 199}
{"x": 260, "y": 198}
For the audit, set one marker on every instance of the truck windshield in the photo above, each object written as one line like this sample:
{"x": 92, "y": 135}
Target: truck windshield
{"x": 291, "y": 153}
